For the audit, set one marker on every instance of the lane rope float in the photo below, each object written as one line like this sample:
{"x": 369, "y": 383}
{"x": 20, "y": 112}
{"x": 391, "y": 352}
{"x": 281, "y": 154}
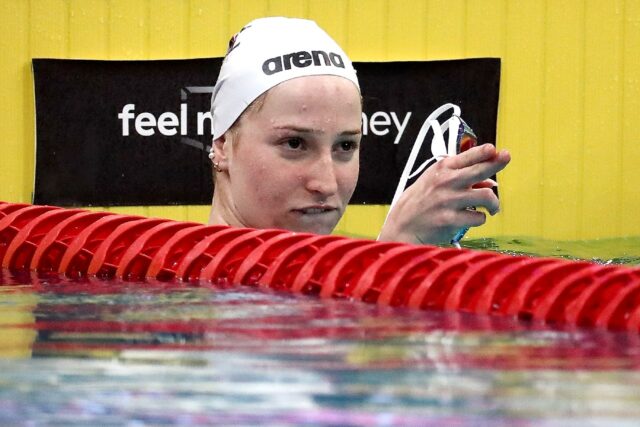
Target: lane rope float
{"x": 79, "y": 244}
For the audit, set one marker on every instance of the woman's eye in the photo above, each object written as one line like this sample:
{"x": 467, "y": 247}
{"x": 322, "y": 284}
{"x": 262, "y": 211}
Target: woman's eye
{"x": 348, "y": 145}
{"x": 294, "y": 143}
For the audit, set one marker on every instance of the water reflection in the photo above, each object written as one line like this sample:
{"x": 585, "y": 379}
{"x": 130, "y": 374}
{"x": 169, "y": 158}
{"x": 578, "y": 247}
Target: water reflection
{"x": 112, "y": 353}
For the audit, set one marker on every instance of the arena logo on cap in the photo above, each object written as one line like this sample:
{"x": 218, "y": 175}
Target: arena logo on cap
{"x": 301, "y": 59}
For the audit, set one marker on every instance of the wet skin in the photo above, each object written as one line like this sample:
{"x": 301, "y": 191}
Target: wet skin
{"x": 293, "y": 161}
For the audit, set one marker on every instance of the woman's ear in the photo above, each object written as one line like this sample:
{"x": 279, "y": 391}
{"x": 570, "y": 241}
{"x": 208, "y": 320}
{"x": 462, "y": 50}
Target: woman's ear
{"x": 221, "y": 149}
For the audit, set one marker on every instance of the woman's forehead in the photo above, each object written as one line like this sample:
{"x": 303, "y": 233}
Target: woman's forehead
{"x": 311, "y": 84}
{"x": 313, "y": 95}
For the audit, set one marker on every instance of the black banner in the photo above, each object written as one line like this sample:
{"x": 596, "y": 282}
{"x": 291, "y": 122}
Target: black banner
{"x": 114, "y": 133}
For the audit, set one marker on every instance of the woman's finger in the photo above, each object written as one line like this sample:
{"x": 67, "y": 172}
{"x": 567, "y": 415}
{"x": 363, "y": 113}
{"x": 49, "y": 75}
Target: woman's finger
{"x": 487, "y": 183}
{"x": 472, "y": 156}
{"x": 478, "y": 172}
{"x": 469, "y": 218}
{"x": 479, "y": 198}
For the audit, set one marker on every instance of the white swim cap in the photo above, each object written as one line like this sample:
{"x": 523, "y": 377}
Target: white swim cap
{"x": 269, "y": 51}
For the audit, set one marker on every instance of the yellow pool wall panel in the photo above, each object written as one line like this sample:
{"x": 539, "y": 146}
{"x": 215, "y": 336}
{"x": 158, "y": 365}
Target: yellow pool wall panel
{"x": 569, "y": 96}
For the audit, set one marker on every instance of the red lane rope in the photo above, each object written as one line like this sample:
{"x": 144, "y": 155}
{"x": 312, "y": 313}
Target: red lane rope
{"x": 283, "y": 271}
{"x": 101, "y": 245}
{"x": 379, "y": 273}
{"x": 54, "y": 244}
{"x": 27, "y": 240}
{"x": 135, "y": 261}
{"x": 258, "y": 261}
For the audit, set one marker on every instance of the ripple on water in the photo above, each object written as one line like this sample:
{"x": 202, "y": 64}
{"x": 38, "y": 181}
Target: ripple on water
{"x": 110, "y": 353}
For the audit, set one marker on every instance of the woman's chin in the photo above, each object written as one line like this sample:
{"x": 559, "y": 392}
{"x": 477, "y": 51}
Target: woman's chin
{"x": 316, "y": 224}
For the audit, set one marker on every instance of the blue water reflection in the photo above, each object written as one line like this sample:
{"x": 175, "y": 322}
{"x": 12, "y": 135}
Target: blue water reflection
{"x": 111, "y": 353}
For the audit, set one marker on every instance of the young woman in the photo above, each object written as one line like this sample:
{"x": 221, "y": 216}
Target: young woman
{"x": 287, "y": 127}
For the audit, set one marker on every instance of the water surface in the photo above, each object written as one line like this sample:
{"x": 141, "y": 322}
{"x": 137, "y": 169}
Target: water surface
{"x": 113, "y": 353}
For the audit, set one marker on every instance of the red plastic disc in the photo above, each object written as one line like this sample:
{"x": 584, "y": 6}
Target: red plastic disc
{"x": 348, "y": 270}
{"x": 24, "y": 244}
{"x": 54, "y": 244}
{"x": 166, "y": 260}
{"x": 616, "y": 313}
{"x": 496, "y": 295}
{"x": 313, "y": 274}
{"x": 11, "y": 224}
{"x": 557, "y": 303}
{"x": 434, "y": 288}
{"x": 107, "y": 256}
{"x": 7, "y": 208}
{"x": 136, "y": 260}
{"x": 466, "y": 292}
{"x": 282, "y": 272}
{"x": 408, "y": 277}
{"x": 224, "y": 265}
{"x": 258, "y": 261}
{"x": 191, "y": 265}
{"x": 370, "y": 285}
{"x": 633, "y": 322}
{"x": 584, "y": 310}
{"x": 534, "y": 288}
{"x": 78, "y": 256}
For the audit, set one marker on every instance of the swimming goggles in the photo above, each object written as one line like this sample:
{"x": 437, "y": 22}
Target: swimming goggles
{"x": 460, "y": 138}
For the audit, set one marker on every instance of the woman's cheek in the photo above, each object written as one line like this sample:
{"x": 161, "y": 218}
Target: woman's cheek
{"x": 269, "y": 184}
{"x": 349, "y": 179}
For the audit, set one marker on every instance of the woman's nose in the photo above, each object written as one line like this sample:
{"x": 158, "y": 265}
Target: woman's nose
{"x": 321, "y": 176}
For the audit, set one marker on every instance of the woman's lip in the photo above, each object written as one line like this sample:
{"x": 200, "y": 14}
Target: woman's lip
{"x": 315, "y": 210}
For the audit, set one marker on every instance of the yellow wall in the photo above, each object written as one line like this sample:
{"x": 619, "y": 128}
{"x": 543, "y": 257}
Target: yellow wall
{"x": 570, "y": 94}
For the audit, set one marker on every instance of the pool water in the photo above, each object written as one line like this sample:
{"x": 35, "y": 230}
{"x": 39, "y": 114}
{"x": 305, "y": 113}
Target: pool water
{"x": 113, "y": 353}
{"x": 623, "y": 251}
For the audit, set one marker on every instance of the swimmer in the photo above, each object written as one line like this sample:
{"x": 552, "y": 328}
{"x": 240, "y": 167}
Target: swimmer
{"x": 287, "y": 128}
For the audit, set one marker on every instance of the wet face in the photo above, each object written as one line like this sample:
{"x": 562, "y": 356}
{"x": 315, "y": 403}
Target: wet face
{"x": 293, "y": 161}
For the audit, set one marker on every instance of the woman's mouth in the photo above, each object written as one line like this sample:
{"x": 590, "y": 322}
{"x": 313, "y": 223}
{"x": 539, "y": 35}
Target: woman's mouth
{"x": 315, "y": 210}
{"x": 316, "y": 219}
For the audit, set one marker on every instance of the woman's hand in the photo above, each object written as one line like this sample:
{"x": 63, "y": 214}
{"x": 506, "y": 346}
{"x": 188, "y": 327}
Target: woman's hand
{"x": 436, "y": 206}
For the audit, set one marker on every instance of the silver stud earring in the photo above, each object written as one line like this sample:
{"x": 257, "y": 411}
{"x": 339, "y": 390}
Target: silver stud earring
{"x": 216, "y": 165}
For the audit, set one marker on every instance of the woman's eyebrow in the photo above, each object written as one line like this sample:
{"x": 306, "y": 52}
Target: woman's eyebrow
{"x": 296, "y": 128}
{"x": 315, "y": 131}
